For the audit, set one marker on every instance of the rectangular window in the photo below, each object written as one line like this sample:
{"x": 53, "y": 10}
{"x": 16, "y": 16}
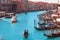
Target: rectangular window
{"x": 3, "y": 0}
{"x": 7, "y": 1}
{"x": 58, "y": 4}
{"x": 4, "y": 5}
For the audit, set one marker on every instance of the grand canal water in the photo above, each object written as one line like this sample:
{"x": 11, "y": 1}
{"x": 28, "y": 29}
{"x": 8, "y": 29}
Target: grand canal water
{"x": 10, "y": 31}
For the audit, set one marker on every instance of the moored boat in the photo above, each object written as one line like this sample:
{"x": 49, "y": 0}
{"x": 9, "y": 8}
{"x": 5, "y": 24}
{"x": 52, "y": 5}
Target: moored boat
{"x": 1, "y": 18}
{"x": 9, "y": 15}
{"x": 56, "y": 21}
{"x": 40, "y": 28}
{"x": 52, "y": 35}
{"x": 45, "y": 28}
{"x": 2, "y": 14}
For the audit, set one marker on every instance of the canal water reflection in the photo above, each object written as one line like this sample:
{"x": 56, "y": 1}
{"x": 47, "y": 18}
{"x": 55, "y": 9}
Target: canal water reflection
{"x": 10, "y": 31}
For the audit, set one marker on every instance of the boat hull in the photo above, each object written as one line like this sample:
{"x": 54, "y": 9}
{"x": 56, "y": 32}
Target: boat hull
{"x": 26, "y": 34}
{"x": 52, "y": 35}
{"x": 45, "y": 28}
{"x": 13, "y": 21}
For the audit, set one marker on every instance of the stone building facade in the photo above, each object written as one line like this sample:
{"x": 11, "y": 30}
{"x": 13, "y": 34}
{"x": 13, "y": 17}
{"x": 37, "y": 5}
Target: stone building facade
{"x": 22, "y": 5}
{"x": 6, "y": 5}
{"x": 58, "y": 6}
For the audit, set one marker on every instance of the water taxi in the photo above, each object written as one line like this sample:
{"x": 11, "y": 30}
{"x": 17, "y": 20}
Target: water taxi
{"x": 13, "y": 19}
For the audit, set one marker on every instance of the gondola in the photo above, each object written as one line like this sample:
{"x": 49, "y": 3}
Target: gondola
{"x": 25, "y": 33}
{"x": 45, "y": 28}
{"x": 40, "y": 28}
{"x": 42, "y": 23}
{"x": 52, "y": 35}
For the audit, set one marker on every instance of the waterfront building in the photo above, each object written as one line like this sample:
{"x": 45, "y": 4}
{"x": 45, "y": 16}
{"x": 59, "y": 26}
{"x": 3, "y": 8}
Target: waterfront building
{"x": 5, "y": 5}
{"x": 59, "y": 6}
{"x": 21, "y": 5}
{"x": 25, "y": 5}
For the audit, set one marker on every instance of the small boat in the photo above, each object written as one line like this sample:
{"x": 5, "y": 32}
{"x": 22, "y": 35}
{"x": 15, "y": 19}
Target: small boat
{"x": 25, "y": 33}
{"x": 9, "y": 15}
{"x": 52, "y": 35}
{"x": 13, "y": 19}
{"x": 2, "y": 14}
{"x": 40, "y": 27}
{"x": 45, "y": 28}
{"x": 6, "y": 16}
{"x": 0, "y": 18}
{"x": 42, "y": 23}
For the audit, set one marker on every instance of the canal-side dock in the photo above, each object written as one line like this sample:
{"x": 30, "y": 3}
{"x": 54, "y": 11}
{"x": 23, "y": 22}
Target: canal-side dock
{"x": 6, "y": 15}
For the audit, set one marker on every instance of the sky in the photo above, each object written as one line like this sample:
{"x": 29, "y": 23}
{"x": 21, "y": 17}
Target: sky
{"x": 50, "y": 1}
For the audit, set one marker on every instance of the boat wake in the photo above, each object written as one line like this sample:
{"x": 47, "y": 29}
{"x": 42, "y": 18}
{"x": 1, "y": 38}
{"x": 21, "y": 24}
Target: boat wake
{"x": 7, "y": 20}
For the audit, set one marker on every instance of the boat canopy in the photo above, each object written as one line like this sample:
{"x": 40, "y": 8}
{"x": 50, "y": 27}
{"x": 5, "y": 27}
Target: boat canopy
{"x": 58, "y": 19}
{"x": 2, "y": 11}
{"x": 10, "y": 13}
{"x": 13, "y": 17}
{"x": 54, "y": 15}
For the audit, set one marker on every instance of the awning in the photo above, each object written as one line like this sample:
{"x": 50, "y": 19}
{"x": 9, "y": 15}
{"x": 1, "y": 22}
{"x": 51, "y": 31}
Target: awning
{"x": 58, "y": 19}
{"x": 54, "y": 15}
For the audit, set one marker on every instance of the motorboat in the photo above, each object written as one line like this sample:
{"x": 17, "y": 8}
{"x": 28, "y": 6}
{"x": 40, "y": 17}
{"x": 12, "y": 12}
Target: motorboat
{"x": 13, "y": 19}
{"x": 42, "y": 23}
